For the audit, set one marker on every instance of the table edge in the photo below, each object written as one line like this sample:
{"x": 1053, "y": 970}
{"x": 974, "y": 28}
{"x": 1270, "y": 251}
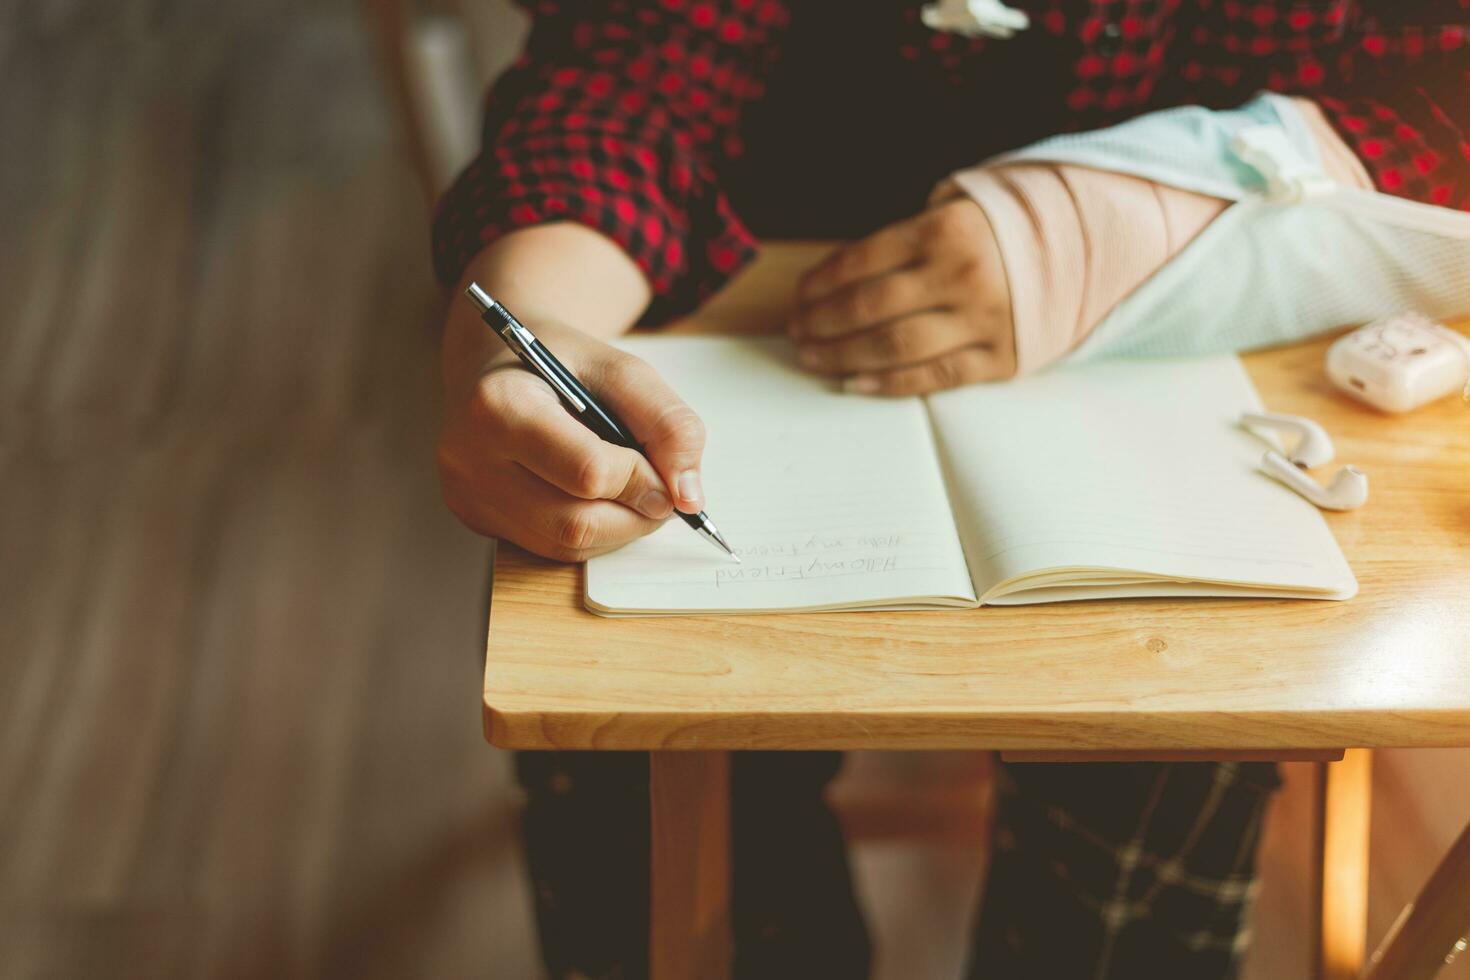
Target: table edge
{"x": 1112, "y": 730}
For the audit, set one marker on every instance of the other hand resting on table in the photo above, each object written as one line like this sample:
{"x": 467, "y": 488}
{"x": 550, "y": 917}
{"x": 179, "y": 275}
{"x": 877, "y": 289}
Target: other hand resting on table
{"x": 1009, "y": 269}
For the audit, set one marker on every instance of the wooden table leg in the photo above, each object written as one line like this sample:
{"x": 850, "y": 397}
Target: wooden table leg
{"x": 1431, "y": 930}
{"x": 1343, "y": 815}
{"x": 689, "y": 921}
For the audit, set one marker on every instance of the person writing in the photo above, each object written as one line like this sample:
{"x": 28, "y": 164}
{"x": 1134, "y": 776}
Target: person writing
{"x": 632, "y": 155}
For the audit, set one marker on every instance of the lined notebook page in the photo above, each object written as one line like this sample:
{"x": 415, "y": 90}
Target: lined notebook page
{"x": 831, "y": 501}
{"x": 1117, "y": 474}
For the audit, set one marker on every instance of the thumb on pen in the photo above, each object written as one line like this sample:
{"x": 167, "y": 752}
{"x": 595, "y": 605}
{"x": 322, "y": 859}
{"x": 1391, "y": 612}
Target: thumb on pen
{"x": 671, "y": 434}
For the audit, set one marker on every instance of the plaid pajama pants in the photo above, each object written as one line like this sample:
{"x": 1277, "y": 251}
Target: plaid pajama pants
{"x": 1098, "y": 871}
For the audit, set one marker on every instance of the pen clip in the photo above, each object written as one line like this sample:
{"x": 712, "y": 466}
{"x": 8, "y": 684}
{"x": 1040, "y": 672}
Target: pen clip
{"x": 530, "y": 353}
{"x": 522, "y": 343}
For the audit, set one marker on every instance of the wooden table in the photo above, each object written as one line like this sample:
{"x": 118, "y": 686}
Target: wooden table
{"x": 1159, "y": 678}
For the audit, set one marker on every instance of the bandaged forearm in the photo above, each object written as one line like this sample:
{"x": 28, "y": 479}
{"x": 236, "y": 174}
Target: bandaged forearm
{"x": 1076, "y": 241}
{"x": 1079, "y": 238}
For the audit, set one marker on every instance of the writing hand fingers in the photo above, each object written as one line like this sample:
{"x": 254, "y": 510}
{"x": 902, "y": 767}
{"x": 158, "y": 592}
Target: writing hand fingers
{"x": 670, "y": 431}
{"x": 567, "y": 455}
{"x": 549, "y": 521}
{"x": 539, "y": 435}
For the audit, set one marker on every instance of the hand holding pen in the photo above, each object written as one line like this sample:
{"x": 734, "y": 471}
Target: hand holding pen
{"x": 516, "y": 463}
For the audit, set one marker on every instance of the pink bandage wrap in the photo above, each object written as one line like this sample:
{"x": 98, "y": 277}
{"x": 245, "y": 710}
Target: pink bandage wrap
{"x": 1076, "y": 241}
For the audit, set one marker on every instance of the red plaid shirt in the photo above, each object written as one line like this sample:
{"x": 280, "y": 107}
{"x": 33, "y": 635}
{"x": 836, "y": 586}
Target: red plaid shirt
{"x": 676, "y": 126}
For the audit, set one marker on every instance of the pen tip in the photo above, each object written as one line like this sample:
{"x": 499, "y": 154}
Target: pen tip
{"x": 737, "y": 558}
{"x": 709, "y": 530}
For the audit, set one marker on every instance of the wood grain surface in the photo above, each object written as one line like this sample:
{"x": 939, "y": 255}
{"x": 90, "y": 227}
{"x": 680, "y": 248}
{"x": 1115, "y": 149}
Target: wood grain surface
{"x": 1391, "y": 667}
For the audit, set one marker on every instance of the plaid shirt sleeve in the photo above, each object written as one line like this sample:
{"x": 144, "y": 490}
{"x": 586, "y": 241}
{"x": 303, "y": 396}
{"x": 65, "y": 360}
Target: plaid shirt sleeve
{"x": 614, "y": 117}
{"x": 1393, "y": 77}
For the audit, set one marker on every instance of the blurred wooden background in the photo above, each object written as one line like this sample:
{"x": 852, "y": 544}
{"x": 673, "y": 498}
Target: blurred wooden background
{"x": 240, "y": 637}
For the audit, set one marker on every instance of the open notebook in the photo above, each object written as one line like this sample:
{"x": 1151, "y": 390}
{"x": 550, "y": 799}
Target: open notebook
{"x": 1127, "y": 478}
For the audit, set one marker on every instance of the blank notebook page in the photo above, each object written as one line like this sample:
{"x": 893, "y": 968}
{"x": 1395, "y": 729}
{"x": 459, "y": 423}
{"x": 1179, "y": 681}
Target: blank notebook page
{"x": 830, "y": 500}
{"x": 1131, "y": 478}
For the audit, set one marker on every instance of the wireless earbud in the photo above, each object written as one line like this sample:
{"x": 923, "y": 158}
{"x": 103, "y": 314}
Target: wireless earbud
{"x": 1313, "y": 446}
{"x": 1347, "y": 491}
